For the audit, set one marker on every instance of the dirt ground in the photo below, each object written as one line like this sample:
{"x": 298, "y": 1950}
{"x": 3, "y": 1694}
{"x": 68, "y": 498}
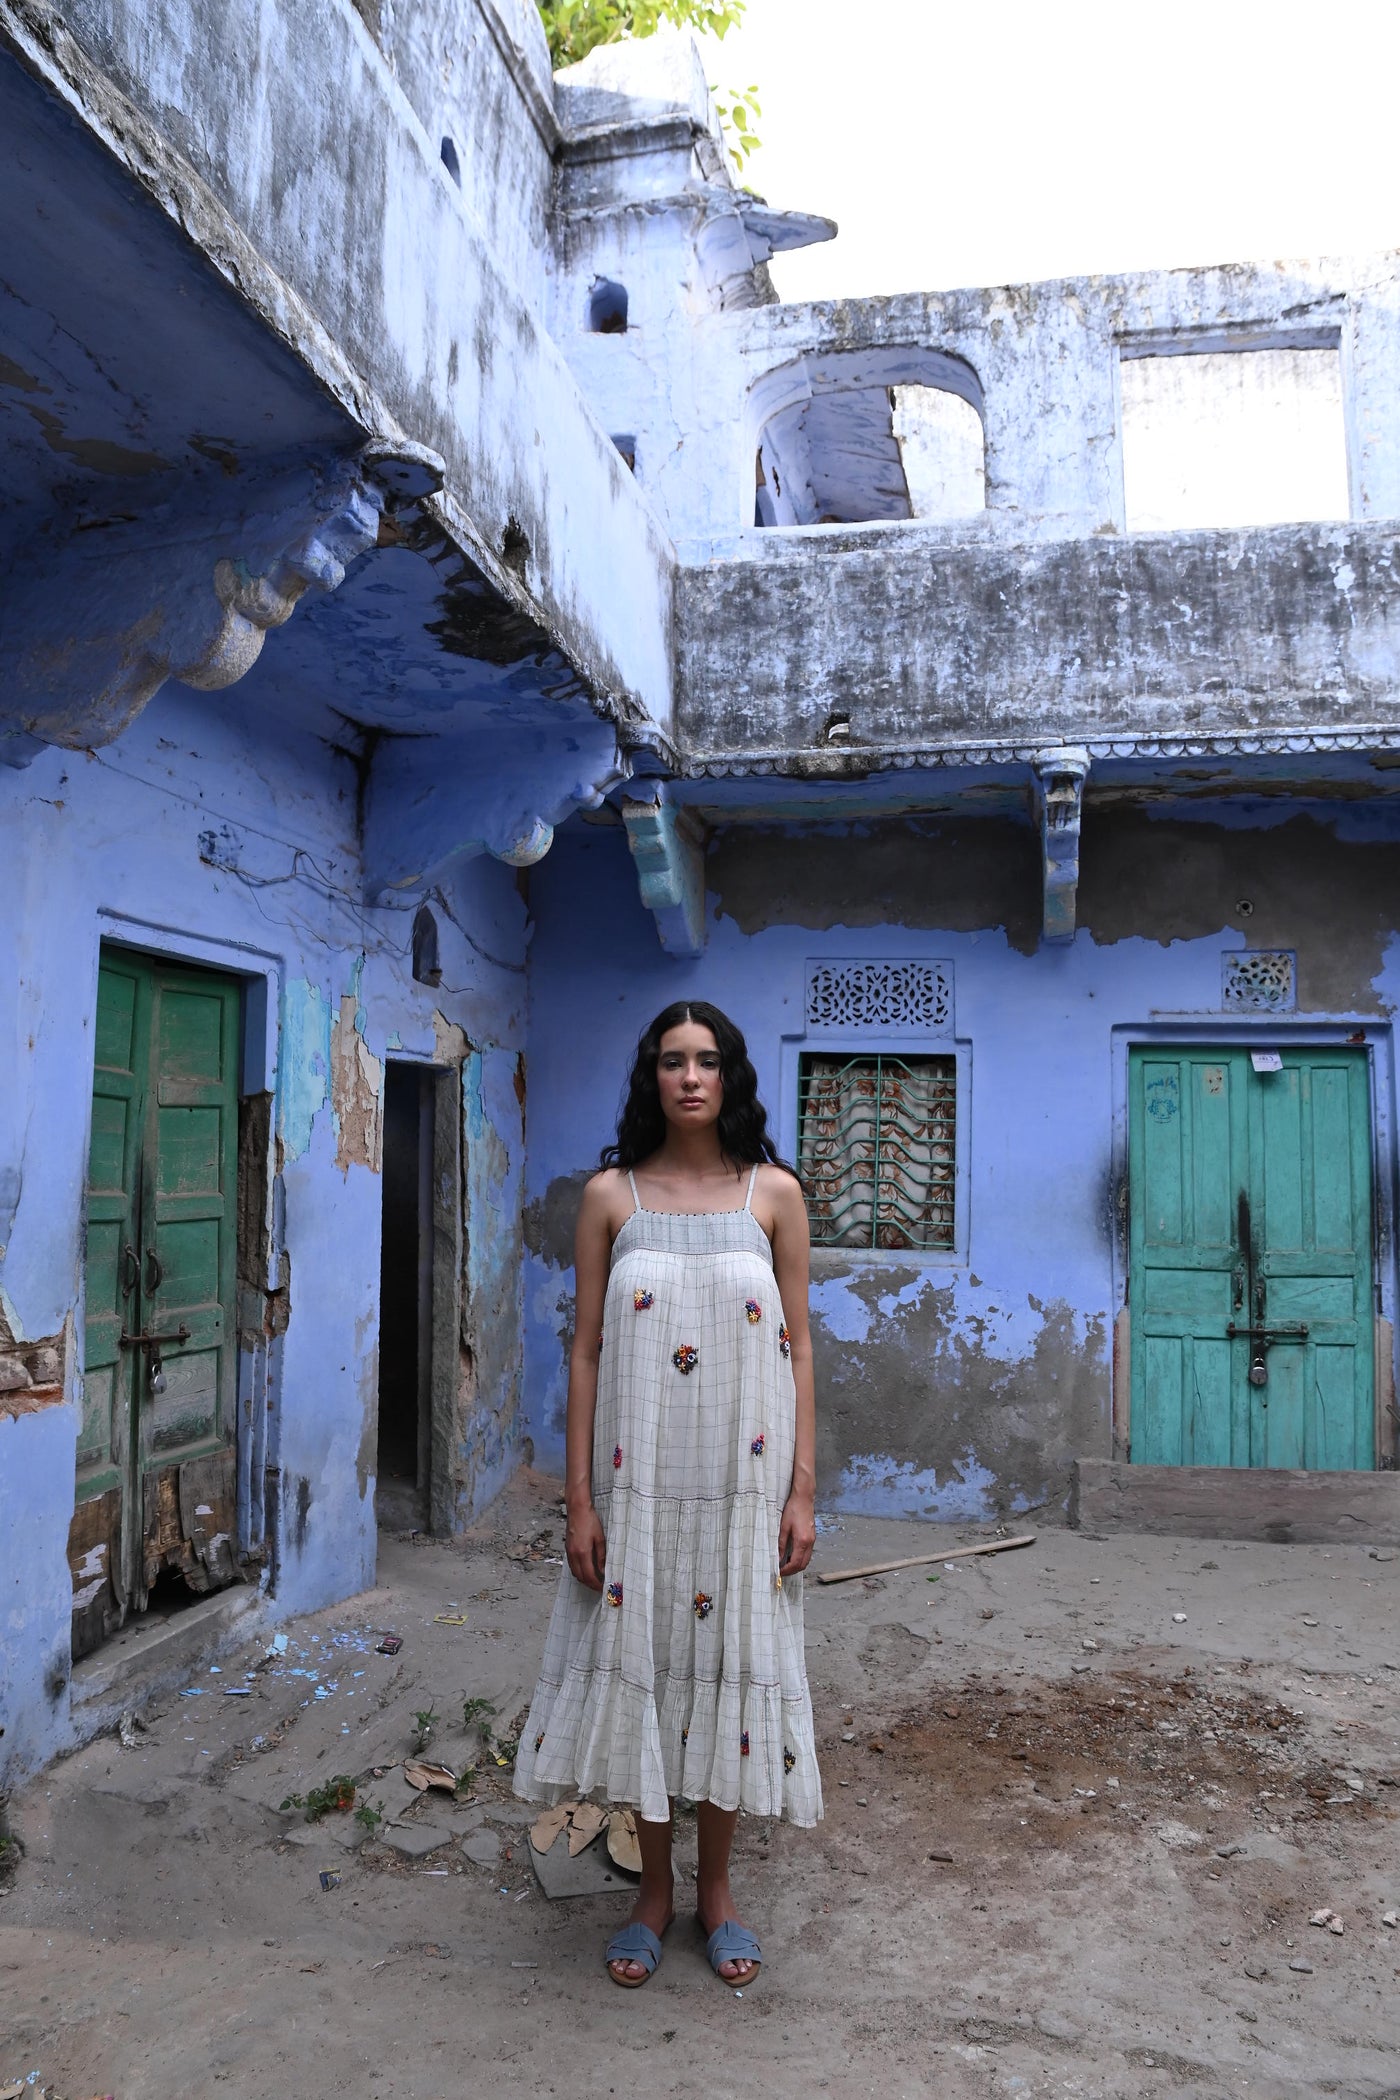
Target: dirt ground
{"x": 1082, "y": 1800}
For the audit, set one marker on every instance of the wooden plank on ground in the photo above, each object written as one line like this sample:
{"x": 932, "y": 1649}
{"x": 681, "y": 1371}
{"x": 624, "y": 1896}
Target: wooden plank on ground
{"x": 924, "y": 1560}
{"x": 1275, "y": 1506}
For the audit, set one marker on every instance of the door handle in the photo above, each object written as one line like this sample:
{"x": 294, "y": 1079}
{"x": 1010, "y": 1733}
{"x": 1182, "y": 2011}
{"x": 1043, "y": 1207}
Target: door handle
{"x": 155, "y": 1272}
{"x": 131, "y": 1270}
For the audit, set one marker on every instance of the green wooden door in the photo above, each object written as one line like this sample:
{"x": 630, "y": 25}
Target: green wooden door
{"x": 1251, "y": 1210}
{"x": 159, "y": 1372}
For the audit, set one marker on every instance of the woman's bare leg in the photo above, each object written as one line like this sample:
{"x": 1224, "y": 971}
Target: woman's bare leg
{"x": 656, "y": 1902}
{"x": 714, "y": 1901}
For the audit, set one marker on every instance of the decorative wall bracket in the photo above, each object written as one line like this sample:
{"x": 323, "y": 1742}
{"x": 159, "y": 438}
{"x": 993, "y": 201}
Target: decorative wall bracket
{"x": 1059, "y": 785}
{"x": 430, "y": 801}
{"x": 668, "y": 846}
{"x": 157, "y": 606}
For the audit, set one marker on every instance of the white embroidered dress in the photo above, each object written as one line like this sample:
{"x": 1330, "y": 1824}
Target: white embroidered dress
{"x": 687, "y": 1675}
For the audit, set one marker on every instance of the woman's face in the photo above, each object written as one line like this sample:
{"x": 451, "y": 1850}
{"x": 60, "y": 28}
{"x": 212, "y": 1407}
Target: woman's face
{"x": 688, "y": 1076}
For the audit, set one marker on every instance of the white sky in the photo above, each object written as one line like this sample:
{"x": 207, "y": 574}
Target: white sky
{"x": 1000, "y": 141}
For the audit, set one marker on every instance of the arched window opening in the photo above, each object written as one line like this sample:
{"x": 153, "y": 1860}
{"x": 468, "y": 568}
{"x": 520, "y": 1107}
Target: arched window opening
{"x": 859, "y": 437}
{"x": 607, "y": 307}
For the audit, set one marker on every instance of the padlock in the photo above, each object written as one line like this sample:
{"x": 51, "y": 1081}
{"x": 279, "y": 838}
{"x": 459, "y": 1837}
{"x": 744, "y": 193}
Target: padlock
{"x": 1258, "y": 1372}
{"x": 156, "y": 1373}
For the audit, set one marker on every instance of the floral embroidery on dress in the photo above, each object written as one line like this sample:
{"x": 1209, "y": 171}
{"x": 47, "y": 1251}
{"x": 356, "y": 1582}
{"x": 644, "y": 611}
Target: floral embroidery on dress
{"x": 685, "y": 1358}
{"x": 757, "y": 1445}
{"x": 600, "y": 1337}
{"x": 614, "y": 1593}
{"x": 785, "y": 1341}
{"x": 642, "y": 1301}
{"x": 617, "y": 1457}
{"x": 789, "y": 1760}
{"x": 777, "y": 1582}
{"x": 703, "y": 1605}
{"x": 744, "y": 1744}
{"x": 753, "y": 1311}
{"x": 685, "y": 1736}
{"x": 539, "y": 1739}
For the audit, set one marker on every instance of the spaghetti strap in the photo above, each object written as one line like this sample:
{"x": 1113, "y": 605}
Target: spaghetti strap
{"x": 636, "y": 1199}
{"x": 748, "y": 1199}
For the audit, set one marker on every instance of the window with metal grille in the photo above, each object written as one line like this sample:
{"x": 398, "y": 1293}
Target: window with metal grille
{"x": 876, "y": 1149}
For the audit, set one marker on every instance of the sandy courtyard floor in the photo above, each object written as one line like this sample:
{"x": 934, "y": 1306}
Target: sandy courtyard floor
{"x": 1082, "y": 1801}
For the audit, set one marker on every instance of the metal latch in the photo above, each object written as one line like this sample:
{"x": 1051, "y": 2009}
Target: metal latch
{"x": 155, "y": 1369}
{"x": 1264, "y": 1338}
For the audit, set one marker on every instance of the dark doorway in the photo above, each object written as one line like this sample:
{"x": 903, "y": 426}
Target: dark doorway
{"x": 406, "y": 1295}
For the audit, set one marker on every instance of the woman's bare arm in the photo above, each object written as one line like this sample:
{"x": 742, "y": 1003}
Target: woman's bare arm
{"x": 791, "y": 1239}
{"x": 584, "y": 1540}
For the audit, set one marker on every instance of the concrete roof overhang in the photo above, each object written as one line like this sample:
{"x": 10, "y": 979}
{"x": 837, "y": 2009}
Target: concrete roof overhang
{"x": 175, "y": 414}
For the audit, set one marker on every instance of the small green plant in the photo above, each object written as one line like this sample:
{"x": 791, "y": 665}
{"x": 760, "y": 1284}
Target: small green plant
{"x": 574, "y": 27}
{"x": 504, "y": 1747}
{"x": 466, "y": 1782}
{"x": 370, "y": 1818}
{"x": 739, "y": 115}
{"x": 333, "y": 1797}
{"x": 424, "y": 1722}
{"x": 476, "y": 1713}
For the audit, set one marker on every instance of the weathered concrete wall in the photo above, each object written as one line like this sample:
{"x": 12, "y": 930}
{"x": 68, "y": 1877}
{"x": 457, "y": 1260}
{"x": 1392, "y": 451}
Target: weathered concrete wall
{"x": 960, "y": 1384}
{"x": 938, "y": 646}
{"x": 276, "y": 136}
{"x": 210, "y": 838}
{"x": 1044, "y": 359}
{"x": 477, "y": 75}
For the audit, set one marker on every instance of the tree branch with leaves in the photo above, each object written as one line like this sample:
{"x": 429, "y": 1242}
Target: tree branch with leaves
{"x": 576, "y": 27}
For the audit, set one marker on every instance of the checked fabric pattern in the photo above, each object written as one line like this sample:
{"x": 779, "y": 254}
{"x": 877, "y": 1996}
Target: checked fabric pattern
{"x": 652, "y": 1695}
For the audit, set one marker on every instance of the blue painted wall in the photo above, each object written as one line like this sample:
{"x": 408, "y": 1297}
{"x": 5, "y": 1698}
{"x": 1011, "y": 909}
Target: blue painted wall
{"x": 953, "y": 1386}
{"x": 211, "y": 834}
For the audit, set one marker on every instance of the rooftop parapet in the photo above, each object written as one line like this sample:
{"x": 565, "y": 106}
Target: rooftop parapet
{"x": 1074, "y": 403}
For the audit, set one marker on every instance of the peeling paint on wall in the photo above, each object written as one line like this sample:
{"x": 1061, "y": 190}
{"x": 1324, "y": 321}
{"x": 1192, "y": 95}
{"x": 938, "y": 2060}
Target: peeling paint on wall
{"x": 489, "y": 1389}
{"x": 304, "y": 1064}
{"x": 939, "y": 1399}
{"x": 549, "y": 1236}
{"x": 33, "y": 1375}
{"x": 960, "y": 874}
{"x": 1297, "y": 882}
{"x": 964, "y": 1490}
{"x": 357, "y": 1091}
{"x": 449, "y": 1041}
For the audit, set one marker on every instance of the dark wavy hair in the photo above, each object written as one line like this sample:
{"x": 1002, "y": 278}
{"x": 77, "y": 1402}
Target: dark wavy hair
{"x": 743, "y": 1120}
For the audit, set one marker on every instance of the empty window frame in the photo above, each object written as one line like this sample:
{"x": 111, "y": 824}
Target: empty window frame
{"x": 863, "y": 437}
{"x": 877, "y": 1150}
{"x": 942, "y": 447}
{"x": 1223, "y": 437}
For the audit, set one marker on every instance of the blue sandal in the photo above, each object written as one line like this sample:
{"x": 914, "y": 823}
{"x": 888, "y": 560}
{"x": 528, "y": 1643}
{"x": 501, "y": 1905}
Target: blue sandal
{"x": 635, "y": 1942}
{"x": 732, "y": 1941}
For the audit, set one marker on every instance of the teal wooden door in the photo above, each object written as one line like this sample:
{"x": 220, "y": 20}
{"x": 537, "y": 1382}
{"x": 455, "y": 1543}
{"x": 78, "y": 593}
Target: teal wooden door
{"x": 1250, "y": 1285}
{"x": 158, "y": 1371}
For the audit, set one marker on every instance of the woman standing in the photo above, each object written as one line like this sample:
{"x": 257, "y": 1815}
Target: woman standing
{"x": 674, "y": 1661}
